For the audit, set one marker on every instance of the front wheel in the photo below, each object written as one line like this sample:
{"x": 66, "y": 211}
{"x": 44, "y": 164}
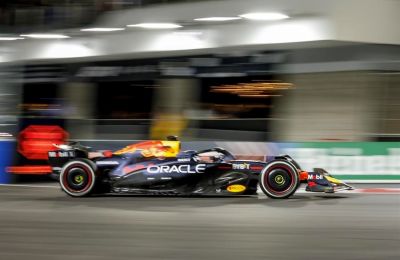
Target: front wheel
{"x": 77, "y": 178}
{"x": 279, "y": 179}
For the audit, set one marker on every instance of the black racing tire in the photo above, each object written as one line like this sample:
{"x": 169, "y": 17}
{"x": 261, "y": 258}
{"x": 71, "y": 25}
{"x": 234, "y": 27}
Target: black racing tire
{"x": 78, "y": 178}
{"x": 279, "y": 179}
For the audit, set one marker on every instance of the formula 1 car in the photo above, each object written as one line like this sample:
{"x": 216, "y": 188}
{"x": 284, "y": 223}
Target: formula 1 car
{"x": 160, "y": 168}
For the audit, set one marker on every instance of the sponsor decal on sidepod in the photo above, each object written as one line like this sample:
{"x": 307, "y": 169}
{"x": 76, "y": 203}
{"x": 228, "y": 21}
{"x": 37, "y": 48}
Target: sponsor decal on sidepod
{"x": 200, "y": 168}
{"x": 236, "y": 188}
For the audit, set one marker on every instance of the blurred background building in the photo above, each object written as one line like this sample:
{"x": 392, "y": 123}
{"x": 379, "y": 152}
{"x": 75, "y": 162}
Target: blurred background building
{"x": 254, "y": 70}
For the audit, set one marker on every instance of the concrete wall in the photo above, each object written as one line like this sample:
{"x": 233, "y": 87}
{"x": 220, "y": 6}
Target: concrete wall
{"x": 328, "y": 106}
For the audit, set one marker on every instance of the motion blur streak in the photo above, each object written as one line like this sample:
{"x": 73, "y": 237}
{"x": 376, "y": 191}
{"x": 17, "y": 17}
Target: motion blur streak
{"x": 49, "y": 225}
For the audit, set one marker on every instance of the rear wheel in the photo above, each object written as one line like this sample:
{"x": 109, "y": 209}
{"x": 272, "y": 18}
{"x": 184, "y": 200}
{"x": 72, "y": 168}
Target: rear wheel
{"x": 77, "y": 178}
{"x": 279, "y": 179}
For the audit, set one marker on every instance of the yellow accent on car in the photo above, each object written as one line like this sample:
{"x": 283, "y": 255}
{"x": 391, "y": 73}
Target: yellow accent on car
{"x": 78, "y": 178}
{"x": 236, "y": 188}
{"x": 173, "y": 148}
{"x": 333, "y": 180}
{"x": 279, "y": 179}
{"x": 153, "y": 148}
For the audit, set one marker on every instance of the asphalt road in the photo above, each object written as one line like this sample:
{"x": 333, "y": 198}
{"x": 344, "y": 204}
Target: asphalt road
{"x": 44, "y": 223}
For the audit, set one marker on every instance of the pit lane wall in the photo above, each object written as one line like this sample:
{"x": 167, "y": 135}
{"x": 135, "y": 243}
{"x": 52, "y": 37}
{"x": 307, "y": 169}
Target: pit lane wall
{"x": 354, "y": 162}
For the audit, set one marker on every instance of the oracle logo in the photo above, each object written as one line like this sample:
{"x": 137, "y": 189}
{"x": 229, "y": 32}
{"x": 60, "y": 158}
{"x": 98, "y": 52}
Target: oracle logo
{"x": 200, "y": 168}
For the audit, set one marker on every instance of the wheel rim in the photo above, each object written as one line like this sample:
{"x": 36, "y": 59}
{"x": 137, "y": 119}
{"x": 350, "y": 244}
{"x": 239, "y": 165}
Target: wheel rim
{"x": 77, "y": 178}
{"x": 279, "y": 180}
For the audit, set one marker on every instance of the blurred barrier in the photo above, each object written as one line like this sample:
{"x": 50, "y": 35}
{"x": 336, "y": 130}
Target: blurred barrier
{"x": 7, "y": 151}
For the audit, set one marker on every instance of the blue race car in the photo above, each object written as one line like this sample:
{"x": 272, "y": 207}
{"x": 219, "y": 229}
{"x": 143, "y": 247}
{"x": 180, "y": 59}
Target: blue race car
{"x": 161, "y": 168}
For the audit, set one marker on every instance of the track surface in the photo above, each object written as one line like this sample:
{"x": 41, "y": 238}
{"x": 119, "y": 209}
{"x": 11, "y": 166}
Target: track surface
{"x": 44, "y": 223}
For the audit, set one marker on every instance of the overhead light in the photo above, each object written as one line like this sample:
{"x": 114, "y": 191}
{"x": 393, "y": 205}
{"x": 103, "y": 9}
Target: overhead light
{"x": 45, "y": 36}
{"x": 11, "y": 38}
{"x": 102, "y": 29}
{"x": 217, "y": 19}
{"x": 264, "y": 16}
{"x": 156, "y": 25}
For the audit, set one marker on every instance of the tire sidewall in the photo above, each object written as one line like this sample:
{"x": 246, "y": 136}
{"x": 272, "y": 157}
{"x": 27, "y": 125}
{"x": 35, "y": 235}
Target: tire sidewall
{"x": 91, "y": 171}
{"x": 287, "y": 193}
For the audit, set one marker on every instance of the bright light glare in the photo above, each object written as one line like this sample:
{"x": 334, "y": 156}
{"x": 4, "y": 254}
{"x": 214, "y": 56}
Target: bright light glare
{"x": 177, "y": 41}
{"x": 217, "y": 19}
{"x": 156, "y": 25}
{"x": 63, "y": 49}
{"x": 11, "y": 38}
{"x": 102, "y": 29}
{"x": 291, "y": 31}
{"x": 265, "y": 16}
{"x": 45, "y": 36}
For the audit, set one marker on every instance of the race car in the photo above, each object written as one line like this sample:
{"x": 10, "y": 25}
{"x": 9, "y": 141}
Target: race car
{"x": 161, "y": 168}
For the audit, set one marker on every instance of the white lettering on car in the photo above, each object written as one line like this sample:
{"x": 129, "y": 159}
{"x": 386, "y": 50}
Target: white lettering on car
{"x": 52, "y": 154}
{"x": 241, "y": 166}
{"x": 315, "y": 177}
{"x": 200, "y": 168}
{"x": 184, "y": 160}
{"x": 64, "y": 154}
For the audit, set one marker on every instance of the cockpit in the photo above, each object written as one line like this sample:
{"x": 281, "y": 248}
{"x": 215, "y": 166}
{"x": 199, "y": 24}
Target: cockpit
{"x": 214, "y": 155}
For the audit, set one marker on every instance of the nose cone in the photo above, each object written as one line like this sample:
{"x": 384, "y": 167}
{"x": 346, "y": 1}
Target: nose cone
{"x": 338, "y": 184}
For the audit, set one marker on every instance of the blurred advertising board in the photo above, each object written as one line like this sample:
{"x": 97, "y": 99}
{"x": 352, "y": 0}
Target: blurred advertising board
{"x": 353, "y": 161}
